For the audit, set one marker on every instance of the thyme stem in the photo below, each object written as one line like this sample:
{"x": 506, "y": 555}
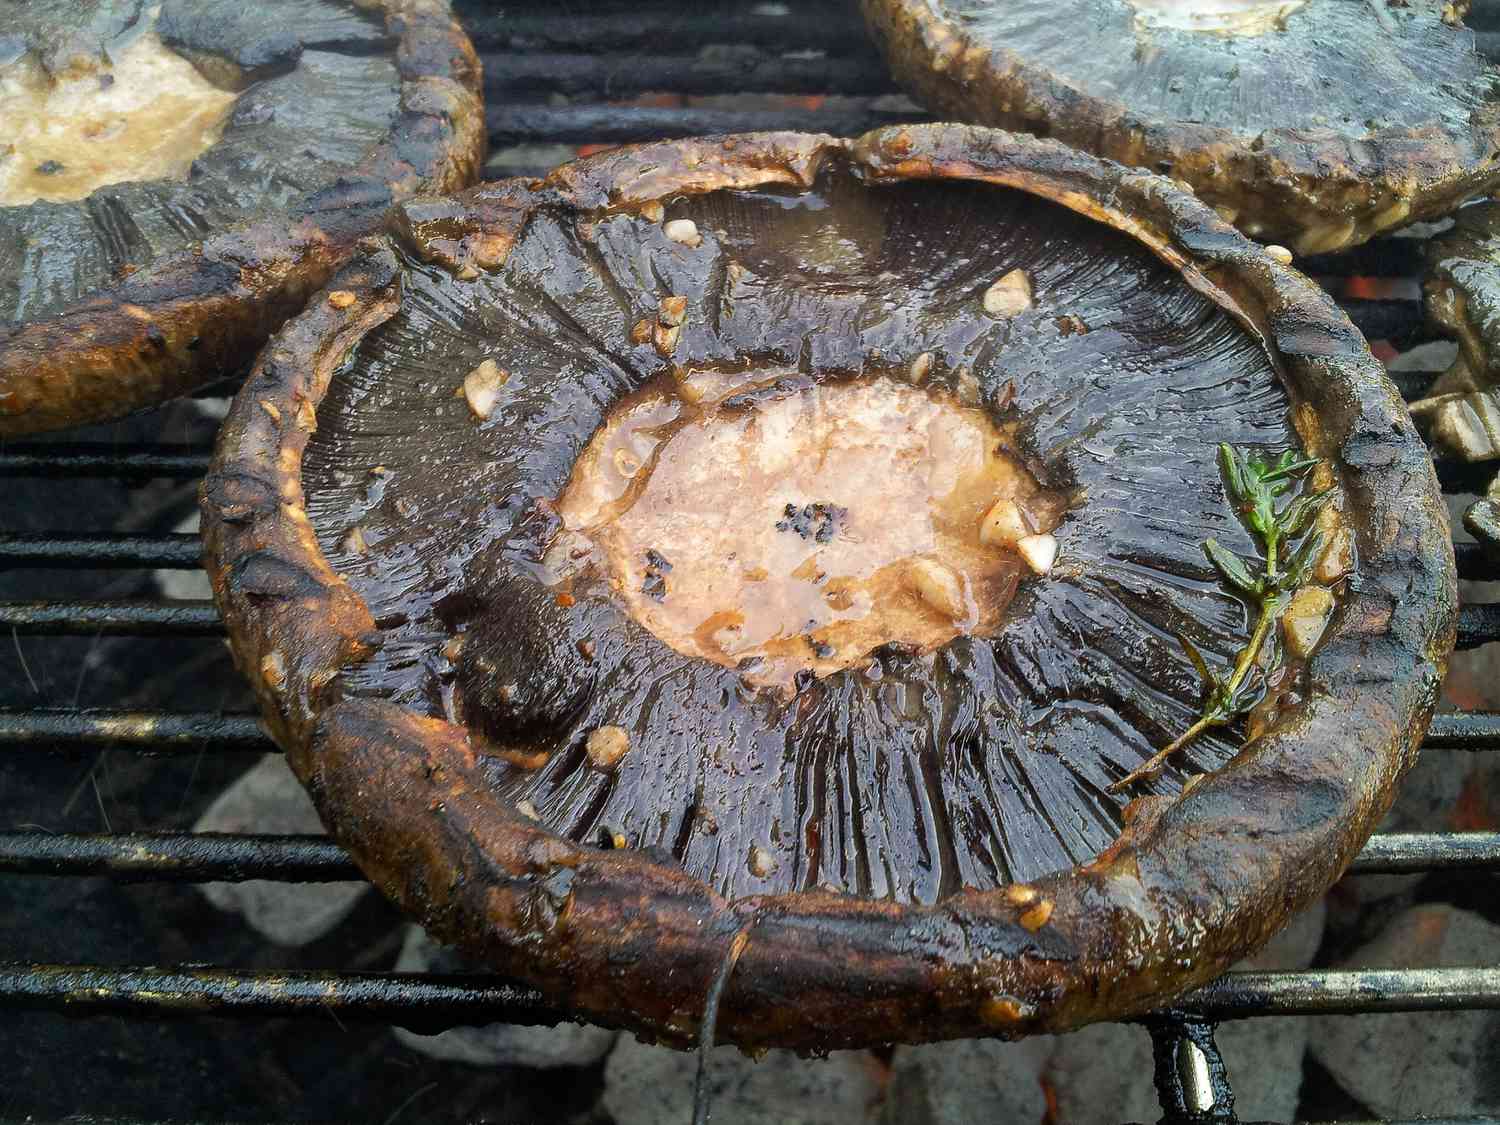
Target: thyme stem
{"x": 1253, "y": 484}
{"x": 1216, "y": 717}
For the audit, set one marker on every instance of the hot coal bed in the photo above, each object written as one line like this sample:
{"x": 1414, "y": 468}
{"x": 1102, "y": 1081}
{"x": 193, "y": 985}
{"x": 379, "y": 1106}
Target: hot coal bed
{"x": 126, "y": 735}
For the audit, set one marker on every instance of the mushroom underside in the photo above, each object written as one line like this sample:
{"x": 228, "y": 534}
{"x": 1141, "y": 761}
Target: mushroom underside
{"x": 915, "y": 771}
{"x": 307, "y": 90}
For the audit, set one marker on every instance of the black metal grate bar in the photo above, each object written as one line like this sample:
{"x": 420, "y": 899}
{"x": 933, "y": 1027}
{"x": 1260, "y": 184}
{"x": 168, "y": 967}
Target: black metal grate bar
{"x": 412, "y": 1000}
{"x": 430, "y": 1002}
{"x": 143, "y": 731}
{"x": 178, "y": 551}
{"x": 177, "y": 857}
{"x": 1400, "y": 853}
{"x": 1478, "y": 623}
{"x": 100, "y": 459}
{"x": 1467, "y": 730}
{"x": 225, "y": 858}
{"x": 510, "y": 74}
{"x": 520, "y": 123}
{"x": 141, "y": 618}
{"x": 1345, "y": 992}
{"x": 653, "y": 27}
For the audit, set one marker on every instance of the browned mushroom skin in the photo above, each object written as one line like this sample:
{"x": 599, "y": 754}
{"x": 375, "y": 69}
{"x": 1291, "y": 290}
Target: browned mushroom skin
{"x": 1462, "y": 294}
{"x": 627, "y": 937}
{"x": 1345, "y": 120}
{"x": 143, "y": 291}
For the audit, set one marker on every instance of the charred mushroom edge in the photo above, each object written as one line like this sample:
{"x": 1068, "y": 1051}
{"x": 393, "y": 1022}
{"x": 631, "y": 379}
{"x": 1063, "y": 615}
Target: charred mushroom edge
{"x": 191, "y": 316}
{"x": 1192, "y": 884}
{"x": 1303, "y": 187}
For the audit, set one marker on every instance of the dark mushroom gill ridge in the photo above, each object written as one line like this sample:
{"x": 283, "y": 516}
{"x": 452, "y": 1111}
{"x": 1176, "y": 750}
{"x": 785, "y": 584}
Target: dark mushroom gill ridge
{"x": 450, "y": 447}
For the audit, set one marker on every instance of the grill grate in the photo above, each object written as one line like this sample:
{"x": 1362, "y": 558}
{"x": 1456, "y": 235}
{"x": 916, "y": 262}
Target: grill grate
{"x": 611, "y": 50}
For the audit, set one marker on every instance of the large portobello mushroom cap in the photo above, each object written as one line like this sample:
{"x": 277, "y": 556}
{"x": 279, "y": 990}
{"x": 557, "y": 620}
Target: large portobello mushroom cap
{"x": 177, "y": 185}
{"x": 1313, "y": 123}
{"x": 662, "y": 552}
{"x": 1462, "y": 407}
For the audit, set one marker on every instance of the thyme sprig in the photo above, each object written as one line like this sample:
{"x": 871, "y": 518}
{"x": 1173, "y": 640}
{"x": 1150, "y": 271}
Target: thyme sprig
{"x": 1290, "y": 546}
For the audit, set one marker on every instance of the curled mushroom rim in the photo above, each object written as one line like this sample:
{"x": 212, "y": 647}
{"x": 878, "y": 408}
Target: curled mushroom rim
{"x": 1192, "y": 884}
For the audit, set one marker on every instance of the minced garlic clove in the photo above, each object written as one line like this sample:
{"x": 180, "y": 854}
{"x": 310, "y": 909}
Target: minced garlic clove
{"x": 939, "y": 586}
{"x": 1039, "y": 551}
{"x": 684, "y": 231}
{"x": 481, "y": 387}
{"x": 1305, "y": 618}
{"x": 1003, "y": 525}
{"x": 606, "y": 746}
{"x": 920, "y": 367}
{"x": 1010, "y": 296}
{"x": 1034, "y": 919}
{"x": 761, "y": 862}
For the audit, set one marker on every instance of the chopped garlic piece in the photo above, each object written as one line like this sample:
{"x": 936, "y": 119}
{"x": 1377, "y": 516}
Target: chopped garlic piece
{"x": 1039, "y": 551}
{"x": 1010, "y": 296}
{"x": 606, "y": 746}
{"x": 684, "y": 231}
{"x": 481, "y": 387}
{"x": 1003, "y": 525}
{"x": 939, "y": 586}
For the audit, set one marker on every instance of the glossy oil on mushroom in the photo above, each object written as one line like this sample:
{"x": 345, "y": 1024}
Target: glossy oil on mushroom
{"x": 767, "y": 559}
{"x": 880, "y": 574}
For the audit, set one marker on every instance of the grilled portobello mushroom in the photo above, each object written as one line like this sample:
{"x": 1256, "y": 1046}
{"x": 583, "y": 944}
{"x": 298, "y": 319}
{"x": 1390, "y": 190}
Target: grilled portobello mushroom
{"x": 1462, "y": 407}
{"x": 183, "y": 176}
{"x": 1312, "y": 123}
{"x": 776, "y": 548}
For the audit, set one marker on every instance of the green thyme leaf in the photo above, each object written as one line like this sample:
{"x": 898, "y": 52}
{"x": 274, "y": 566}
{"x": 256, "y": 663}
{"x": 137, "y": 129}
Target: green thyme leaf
{"x": 1199, "y": 664}
{"x": 1234, "y": 477}
{"x": 1232, "y": 567}
{"x": 1300, "y": 565}
{"x": 1301, "y": 512}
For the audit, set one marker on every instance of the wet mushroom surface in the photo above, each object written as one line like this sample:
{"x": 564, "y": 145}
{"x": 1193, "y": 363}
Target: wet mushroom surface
{"x": 180, "y": 175}
{"x": 752, "y": 569}
{"x": 835, "y": 537}
{"x": 1313, "y": 123}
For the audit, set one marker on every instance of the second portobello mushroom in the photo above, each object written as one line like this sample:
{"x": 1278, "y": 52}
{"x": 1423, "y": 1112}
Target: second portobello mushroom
{"x": 1311, "y": 123}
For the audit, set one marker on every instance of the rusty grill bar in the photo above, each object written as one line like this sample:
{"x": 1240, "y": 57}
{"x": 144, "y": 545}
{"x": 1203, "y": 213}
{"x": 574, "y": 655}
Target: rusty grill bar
{"x": 616, "y": 50}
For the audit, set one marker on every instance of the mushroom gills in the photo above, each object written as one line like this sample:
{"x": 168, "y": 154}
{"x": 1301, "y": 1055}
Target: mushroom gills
{"x": 565, "y": 538}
